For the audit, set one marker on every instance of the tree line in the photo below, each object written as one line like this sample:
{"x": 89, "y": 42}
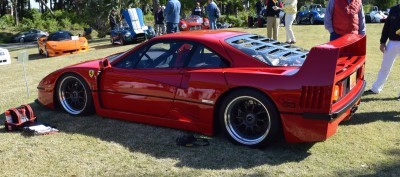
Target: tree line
{"x": 95, "y": 12}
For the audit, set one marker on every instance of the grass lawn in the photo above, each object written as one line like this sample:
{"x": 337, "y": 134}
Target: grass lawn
{"x": 368, "y": 144}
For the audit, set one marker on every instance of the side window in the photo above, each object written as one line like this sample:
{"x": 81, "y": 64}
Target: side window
{"x": 205, "y": 58}
{"x": 165, "y": 55}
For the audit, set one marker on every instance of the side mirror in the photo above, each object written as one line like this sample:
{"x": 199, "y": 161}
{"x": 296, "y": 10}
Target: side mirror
{"x": 103, "y": 64}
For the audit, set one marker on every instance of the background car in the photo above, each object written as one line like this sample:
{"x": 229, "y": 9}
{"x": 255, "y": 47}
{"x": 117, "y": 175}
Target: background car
{"x": 375, "y": 16}
{"x": 29, "y": 36}
{"x": 60, "y": 43}
{"x": 4, "y": 57}
{"x": 132, "y": 28}
{"x": 194, "y": 22}
{"x": 247, "y": 86}
{"x": 311, "y": 14}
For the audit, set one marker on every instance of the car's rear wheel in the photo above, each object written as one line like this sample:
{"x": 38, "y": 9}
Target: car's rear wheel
{"x": 249, "y": 118}
{"x": 74, "y": 95}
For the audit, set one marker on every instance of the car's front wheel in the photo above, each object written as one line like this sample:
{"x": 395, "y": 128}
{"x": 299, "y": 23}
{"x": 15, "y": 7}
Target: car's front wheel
{"x": 249, "y": 118}
{"x": 312, "y": 20}
{"x": 74, "y": 95}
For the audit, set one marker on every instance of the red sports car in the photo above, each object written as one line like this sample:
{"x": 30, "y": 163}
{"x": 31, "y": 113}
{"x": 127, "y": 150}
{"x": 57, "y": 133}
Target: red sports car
{"x": 250, "y": 87}
{"x": 194, "y": 22}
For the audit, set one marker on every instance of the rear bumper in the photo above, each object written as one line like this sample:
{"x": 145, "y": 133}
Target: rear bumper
{"x": 339, "y": 112}
{"x": 318, "y": 127}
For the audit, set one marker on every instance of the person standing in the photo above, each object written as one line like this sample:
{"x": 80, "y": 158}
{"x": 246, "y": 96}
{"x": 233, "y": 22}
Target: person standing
{"x": 391, "y": 31}
{"x": 259, "y": 6}
{"x": 172, "y": 11}
{"x": 213, "y": 14}
{"x": 197, "y": 10}
{"x": 272, "y": 13}
{"x": 344, "y": 17}
{"x": 160, "y": 26}
{"x": 111, "y": 17}
{"x": 290, "y": 9}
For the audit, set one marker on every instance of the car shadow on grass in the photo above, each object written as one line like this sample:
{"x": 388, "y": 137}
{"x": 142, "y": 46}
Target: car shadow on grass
{"x": 368, "y": 117}
{"x": 160, "y": 143}
{"x": 36, "y": 56}
{"x": 105, "y": 46}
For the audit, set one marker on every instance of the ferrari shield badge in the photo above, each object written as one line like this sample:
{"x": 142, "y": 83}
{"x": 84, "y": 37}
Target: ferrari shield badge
{"x": 91, "y": 73}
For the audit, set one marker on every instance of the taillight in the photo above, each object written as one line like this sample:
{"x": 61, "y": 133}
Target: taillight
{"x": 336, "y": 93}
{"x": 361, "y": 71}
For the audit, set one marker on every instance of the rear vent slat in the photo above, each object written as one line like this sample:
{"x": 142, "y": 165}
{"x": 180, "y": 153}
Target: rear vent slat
{"x": 314, "y": 97}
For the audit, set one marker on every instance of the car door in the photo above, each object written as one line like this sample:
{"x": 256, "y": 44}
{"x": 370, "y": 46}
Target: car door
{"x": 203, "y": 81}
{"x": 30, "y": 35}
{"x": 144, "y": 81}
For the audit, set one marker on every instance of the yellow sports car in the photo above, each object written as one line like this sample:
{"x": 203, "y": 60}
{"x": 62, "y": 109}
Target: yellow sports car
{"x": 60, "y": 43}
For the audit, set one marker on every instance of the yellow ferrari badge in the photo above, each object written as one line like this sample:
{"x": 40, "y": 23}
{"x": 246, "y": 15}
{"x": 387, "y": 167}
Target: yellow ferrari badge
{"x": 398, "y": 32}
{"x": 91, "y": 73}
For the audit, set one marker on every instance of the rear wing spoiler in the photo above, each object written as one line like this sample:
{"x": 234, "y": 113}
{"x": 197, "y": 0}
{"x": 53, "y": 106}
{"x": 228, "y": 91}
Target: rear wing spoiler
{"x": 328, "y": 65}
{"x": 326, "y": 62}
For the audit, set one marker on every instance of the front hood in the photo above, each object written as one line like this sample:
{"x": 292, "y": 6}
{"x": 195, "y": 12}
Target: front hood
{"x": 88, "y": 70}
{"x": 93, "y": 64}
{"x": 66, "y": 45}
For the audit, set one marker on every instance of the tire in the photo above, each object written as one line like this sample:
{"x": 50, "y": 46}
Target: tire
{"x": 47, "y": 53}
{"x": 112, "y": 40}
{"x": 21, "y": 40}
{"x": 122, "y": 40}
{"x": 298, "y": 20}
{"x": 312, "y": 20}
{"x": 40, "y": 51}
{"x": 74, "y": 95}
{"x": 248, "y": 117}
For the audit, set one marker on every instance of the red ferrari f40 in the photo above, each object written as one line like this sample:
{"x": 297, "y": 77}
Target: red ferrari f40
{"x": 247, "y": 86}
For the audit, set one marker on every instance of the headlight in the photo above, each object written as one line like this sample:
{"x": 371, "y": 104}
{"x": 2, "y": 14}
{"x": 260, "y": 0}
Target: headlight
{"x": 206, "y": 23}
{"x": 127, "y": 34}
{"x": 183, "y": 26}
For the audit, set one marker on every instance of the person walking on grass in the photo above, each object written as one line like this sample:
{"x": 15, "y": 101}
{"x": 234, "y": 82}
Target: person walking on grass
{"x": 344, "y": 17}
{"x": 160, "y": 26}
{"x": 213, "y": 14}
{"x": 171, "y": 12}
{"x": 290, "y": 9}
{"x": 197, "y": 10}
{"x": 391, "y": 31}
{"x": 272, "y": 13}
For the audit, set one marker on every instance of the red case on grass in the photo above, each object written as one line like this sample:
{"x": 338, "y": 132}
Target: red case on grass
{"x": 20, "y": 117}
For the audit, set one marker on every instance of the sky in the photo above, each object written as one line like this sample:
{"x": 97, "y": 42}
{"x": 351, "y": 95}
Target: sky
{"x": 34, "y": 4}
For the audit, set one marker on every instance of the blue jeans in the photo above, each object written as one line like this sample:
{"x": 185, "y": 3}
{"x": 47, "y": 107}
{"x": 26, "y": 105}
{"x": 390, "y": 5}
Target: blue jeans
{"x": 172, "y": 27}
{"x": 213, "y": 24}
{"x": 334, "y": 36}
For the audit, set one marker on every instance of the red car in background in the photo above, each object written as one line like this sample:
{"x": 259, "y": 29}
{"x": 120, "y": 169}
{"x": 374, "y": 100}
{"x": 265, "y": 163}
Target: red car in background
{"x": 250, "y": 87}
{"x": 194, "y": 22}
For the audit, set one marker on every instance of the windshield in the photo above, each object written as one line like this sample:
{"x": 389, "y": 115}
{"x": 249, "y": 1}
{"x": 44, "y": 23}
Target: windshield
{"x": 59, "y": 36}
{"x": 113, "y": 57}
{"x": 268, "y": 51}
